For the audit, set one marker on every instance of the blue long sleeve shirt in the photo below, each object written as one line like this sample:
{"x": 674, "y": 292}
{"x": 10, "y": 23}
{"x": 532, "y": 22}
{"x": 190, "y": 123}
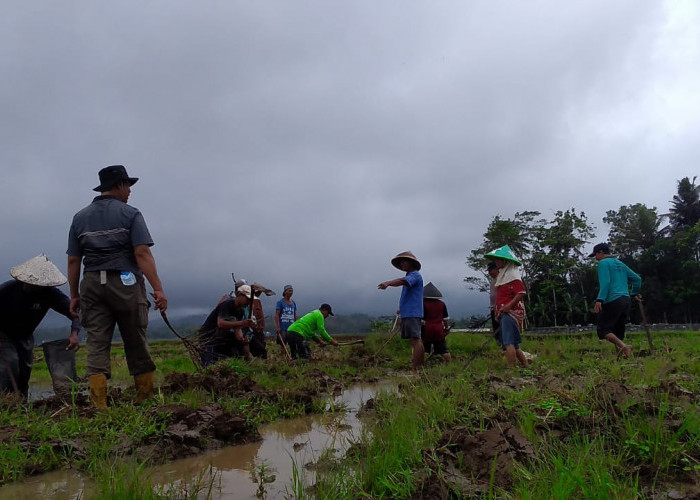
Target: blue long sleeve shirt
{"x": 614, "y": 278}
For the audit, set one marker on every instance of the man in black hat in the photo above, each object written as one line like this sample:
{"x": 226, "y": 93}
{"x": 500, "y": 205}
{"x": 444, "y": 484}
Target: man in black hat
{"x": 112, "y": 241}
{"x": 613, "y": 302}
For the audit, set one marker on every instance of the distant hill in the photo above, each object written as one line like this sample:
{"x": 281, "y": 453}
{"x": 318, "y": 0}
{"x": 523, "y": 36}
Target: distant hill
{"x": 352, "y": 324}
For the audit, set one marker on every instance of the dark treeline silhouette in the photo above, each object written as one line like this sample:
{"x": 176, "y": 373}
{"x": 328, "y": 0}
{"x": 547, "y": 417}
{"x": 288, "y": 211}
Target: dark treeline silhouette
{"x": 561, "y": 280}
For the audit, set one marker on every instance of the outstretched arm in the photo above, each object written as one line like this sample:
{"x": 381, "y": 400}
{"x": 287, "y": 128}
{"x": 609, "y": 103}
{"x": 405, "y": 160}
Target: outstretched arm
{"x": 397, "y": 282}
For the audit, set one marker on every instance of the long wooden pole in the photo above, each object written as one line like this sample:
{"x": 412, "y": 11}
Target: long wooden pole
{"x": 395, "y": 330}
{"x": 646, "y": 325}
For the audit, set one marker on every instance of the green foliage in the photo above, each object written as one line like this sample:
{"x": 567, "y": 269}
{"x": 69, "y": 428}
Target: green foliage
{"x": 561, "y": 280}
{"x": 633, "y": 229}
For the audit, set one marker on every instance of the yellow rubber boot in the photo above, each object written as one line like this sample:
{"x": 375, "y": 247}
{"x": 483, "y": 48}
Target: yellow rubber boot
{"x": 98, "y": 390}
{"x": 144, "y": 386}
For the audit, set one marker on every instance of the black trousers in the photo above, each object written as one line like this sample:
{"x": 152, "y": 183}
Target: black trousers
{"x": 16, "y": 359}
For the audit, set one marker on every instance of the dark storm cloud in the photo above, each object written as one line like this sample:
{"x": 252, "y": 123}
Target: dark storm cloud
{"x": 309, "y": 142}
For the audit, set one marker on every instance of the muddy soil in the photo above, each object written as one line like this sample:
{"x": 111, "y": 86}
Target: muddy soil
{"x": 222, "y": 381}
{"x": 469, "y": 463}
{"x": 186, "y": 431}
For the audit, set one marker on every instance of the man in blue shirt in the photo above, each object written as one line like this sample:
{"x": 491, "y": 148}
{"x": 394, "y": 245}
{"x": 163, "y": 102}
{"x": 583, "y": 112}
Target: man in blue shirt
{"x": 410, "y": 303}
{"x": 613, "y": 301}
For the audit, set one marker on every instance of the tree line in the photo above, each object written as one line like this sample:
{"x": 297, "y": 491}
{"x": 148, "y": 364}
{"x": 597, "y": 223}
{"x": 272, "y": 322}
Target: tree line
{"x": 664, "y": 248}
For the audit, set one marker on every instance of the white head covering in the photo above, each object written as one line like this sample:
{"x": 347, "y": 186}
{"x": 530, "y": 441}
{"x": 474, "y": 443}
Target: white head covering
{"x": 38, "y": 271}
{"x": 510, "y": 272}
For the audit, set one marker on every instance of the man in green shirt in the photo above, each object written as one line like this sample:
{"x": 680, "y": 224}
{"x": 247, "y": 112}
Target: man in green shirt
{"x": 309, "y": 327}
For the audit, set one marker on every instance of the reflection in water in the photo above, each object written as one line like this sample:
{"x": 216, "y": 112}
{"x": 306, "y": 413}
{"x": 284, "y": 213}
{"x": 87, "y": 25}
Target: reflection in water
{"x": 299, "y": 441}
{"x": 54, "y": 485}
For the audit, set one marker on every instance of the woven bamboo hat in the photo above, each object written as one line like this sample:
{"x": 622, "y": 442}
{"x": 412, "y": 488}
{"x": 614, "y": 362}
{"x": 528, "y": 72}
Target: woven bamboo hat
{"x": 504, "y": 253}
{"x": 430, "y": 291}
{"x": 39, "y": 271}
{"x": 405, "y": 255}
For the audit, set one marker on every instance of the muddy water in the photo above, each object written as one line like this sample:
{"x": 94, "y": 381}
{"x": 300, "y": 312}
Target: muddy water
{"x": 285, "y": 444}
{"x": 298, "y": 441}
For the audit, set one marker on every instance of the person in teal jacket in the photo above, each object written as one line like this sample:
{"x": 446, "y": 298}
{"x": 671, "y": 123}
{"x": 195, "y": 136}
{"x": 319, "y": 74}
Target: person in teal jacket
{"x": 311, "y": 326}
{"x": 613, "y": 302}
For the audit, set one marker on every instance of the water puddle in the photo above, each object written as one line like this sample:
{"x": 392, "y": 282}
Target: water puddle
{"x": 286, "y": 444}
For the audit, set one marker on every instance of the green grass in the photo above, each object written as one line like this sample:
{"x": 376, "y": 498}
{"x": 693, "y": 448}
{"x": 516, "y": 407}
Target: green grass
{"x": 588, "y": 440}
{"x": 599, "y": 427}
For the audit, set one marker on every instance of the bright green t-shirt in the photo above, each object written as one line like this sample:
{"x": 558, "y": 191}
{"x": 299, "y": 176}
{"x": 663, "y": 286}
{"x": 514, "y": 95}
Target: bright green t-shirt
{"x": 310, "y": 326}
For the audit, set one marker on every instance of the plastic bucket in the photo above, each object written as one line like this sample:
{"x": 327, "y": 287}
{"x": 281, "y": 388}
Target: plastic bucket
{"x": 61, "y": 364}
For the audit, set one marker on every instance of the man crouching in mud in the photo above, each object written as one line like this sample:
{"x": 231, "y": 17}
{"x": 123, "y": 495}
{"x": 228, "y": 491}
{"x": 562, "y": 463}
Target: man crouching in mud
{"x": 613, "y": 302}
{"x": 410, "y": 303}
{"x": 510, "y": 308}
{"x": 221, "y": 334}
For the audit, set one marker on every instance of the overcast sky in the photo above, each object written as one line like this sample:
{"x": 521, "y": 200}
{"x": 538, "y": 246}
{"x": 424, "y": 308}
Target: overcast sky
{"x": 308, "y": 142}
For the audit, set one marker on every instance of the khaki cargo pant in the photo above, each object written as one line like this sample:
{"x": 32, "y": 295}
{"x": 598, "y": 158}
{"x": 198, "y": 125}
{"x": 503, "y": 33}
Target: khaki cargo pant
{"x": 105, "y": 302}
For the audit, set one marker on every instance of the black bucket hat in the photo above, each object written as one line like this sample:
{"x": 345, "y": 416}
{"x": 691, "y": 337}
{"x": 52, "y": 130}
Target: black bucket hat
{"x": 109, "y": 176}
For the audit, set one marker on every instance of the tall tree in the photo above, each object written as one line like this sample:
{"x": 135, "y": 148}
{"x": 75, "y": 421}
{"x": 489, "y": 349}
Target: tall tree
{"x": 553, "y": 262}
{"x": 519, "y": 233}
{"x": 685, "y": 206}
{"x": 633, "y": 229}
{"x": 557, "y": 255}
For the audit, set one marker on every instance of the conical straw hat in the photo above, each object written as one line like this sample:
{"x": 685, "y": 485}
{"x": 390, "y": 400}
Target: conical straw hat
{"x": 405, "y": 255}
{"x": 504, "y": 253}
{"x": 38, "y": 271}
{"x": 430, "y": 291}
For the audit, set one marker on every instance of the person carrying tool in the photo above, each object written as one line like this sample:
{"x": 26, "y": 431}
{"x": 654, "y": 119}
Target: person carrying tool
{"x": 436, "y": 321}
{"x": 24, "y": 301}
{"x": 613, "y": 302}
{"x": 285, "y": 314}
{"x": 311, "y": 326}
{"x": 257, "y": 333}
{"x": 222, "y": 335}
{"x": 510, "y": 308}
{"x": 111, "y": 240}
{"x": 410, "y": 303}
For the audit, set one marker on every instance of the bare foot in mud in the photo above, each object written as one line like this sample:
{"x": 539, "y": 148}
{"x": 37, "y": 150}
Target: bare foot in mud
{"x": 624, "y": 352}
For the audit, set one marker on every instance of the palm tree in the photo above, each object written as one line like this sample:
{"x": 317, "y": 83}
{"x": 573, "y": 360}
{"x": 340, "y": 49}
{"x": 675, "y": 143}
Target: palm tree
{"x": 685, "y": 206}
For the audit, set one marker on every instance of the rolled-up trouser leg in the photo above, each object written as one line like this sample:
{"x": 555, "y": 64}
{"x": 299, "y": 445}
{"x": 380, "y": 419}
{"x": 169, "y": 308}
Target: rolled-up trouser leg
{"x": 16, "y": 359}
{"x": 132, "y": 319}
{"x": 98, "y": 320}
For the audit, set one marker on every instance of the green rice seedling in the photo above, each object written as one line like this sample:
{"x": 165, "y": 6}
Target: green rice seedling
{"x": 582, "y": 468}
{"x": 262, "y": 475}
{"x": 298, "y": 487}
